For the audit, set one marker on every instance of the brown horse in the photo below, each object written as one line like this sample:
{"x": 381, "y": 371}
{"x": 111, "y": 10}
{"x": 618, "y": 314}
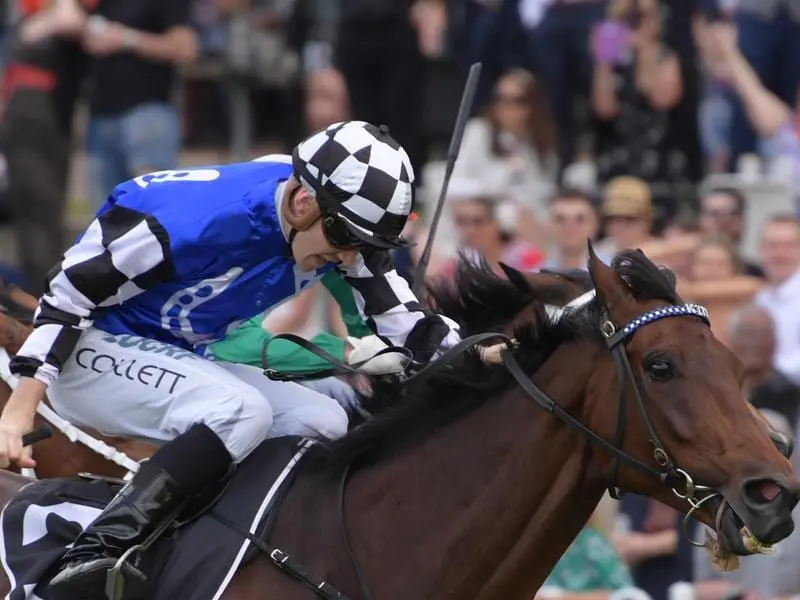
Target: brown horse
{"x": 469, "y": 489}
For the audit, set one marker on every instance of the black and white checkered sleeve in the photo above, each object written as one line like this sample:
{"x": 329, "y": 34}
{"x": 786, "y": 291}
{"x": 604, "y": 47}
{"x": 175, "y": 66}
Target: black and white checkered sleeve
{"x": 391, "y": 309}
{"x": 122, "y": 253}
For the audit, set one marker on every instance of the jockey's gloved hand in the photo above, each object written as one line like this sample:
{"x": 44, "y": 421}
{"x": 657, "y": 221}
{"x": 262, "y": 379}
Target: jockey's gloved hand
{"x": 366, "y": 348}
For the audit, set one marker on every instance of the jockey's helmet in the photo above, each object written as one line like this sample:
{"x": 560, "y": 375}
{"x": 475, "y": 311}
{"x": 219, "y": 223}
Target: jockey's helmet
{"x": 361, "y": 175}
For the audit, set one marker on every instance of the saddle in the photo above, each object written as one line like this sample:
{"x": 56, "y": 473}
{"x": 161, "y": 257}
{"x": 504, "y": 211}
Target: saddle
{"x": 194, "y": 559}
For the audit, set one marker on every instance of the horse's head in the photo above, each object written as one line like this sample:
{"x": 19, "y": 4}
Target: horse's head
{"x": 685, "y": 414}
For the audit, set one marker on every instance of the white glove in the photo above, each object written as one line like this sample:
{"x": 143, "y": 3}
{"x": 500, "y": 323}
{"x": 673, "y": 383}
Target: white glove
{"x": 492, "y": 355}
{"x": 367, "y": 347}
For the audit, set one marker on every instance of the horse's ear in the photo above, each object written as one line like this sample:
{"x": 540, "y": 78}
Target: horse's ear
{"x": 516, "y": 277}
{"x": 610, "y": 289}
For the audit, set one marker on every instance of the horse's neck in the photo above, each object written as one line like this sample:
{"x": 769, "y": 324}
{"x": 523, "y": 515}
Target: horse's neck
{"x": 484, "y": 508}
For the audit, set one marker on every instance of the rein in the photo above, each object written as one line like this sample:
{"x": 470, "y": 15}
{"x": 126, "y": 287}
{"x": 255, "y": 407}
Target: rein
{"x": 339, "y": 367}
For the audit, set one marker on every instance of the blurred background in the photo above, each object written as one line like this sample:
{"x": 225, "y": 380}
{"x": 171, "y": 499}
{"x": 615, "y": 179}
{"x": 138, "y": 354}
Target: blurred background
{"x": 668, "y": 126}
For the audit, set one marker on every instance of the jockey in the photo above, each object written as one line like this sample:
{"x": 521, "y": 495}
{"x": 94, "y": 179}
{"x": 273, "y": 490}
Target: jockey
{"x": 173, "y": 262}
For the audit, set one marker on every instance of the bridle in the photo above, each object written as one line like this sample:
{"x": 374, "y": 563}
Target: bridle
{"x": 615, "y": 339}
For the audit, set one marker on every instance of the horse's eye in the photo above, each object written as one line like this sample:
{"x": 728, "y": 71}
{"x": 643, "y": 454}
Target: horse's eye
{"x": 660, "y": 367}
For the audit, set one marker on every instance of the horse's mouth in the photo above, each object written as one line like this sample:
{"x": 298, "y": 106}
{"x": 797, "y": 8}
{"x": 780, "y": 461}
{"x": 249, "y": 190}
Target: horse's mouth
{"x": 733, "y": 537}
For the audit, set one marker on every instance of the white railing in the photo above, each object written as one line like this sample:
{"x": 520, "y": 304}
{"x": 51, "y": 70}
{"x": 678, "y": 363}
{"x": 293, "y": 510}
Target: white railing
{"x": 72, "y": 433}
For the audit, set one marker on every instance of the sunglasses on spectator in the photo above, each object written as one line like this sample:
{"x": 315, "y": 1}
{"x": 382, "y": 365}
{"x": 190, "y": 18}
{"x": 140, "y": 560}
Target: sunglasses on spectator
{"x": 624, "y": 218}
{"x": 719, "y": 214}
{"x": 464, "y": 222}
{"x": 514, "y": 99}
{"x": 580, "y": 219}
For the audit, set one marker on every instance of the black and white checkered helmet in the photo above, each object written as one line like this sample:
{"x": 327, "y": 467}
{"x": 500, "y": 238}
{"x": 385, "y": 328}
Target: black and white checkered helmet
{"x": 360, "y": 173}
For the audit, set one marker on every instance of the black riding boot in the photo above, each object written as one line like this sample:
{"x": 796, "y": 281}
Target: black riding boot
{"x": 137, "y": 511}
{"x": 153, "y": 499}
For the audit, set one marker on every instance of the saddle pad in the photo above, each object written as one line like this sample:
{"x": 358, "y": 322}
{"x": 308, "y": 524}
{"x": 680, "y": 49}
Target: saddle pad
{"x": 196, "y": 563}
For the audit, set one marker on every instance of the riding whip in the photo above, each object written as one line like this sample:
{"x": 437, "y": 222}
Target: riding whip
{"x": 452, "y": 154}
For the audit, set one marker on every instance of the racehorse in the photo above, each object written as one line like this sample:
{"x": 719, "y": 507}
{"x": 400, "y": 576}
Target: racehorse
{"x": 468, "y": 489}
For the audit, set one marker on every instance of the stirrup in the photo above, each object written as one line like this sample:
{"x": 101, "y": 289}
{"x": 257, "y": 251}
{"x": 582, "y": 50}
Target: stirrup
{"x": 106, "y": 478}
{"x": 115, "y": 578}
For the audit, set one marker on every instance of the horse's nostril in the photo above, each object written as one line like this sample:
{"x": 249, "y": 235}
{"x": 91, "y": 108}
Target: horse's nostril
{"x": 767, "y": 490}
{"x": 762, "y": 492}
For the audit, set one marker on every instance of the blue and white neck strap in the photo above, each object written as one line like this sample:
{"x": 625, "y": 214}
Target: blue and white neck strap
{"x": 614, "y": 336}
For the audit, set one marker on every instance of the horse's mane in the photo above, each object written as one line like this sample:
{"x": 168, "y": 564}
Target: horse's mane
{"x": 481, "y": 301}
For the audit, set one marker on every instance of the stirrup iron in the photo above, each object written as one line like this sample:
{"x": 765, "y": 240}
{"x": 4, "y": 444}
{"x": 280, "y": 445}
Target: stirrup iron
{"x": 115, "y": 578}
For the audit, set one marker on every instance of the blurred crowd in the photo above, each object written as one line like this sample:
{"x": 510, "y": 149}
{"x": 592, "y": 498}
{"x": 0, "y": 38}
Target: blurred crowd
{"x": 666, "y": 125}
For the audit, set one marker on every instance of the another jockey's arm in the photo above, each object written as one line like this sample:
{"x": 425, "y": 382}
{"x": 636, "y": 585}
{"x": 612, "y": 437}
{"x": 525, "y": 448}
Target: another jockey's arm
{"x": 177, "y": 44}
{"x": 244, "y": 344}
{"x": 122, "y": 253}
{"x": 391, "y": 309}
{"x": 342, "y": 293}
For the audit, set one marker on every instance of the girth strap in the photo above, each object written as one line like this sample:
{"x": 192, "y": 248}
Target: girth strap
{"x": 287, "y": 563}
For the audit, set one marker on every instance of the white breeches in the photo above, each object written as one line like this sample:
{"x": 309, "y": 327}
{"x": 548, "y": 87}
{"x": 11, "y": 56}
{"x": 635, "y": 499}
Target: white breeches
{"x": 134, "y": 387}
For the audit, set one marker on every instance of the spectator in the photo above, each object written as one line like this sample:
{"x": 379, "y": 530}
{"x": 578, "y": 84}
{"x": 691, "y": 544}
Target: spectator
{"x": 628, "y": 215}
{"x": 311, "y": 34}
{"x": 590, "y": 569}
{"x": 481, "y": 233}
{"x": 40, "y": 88}
{"x": 680, "y": 227}
{"x": 717, "y": 281}
{"x": 511, "y": 149}
{"x": 770, "y": 117}
{"x": 492, "y": 33}
{"x": 560, "y": 49}
{"x": 714, "y": 260}
{"x": 780, "y": 257}
{"x": 627, "y": 212}
{"x": 133, "y": 127}
{"x": 676, "y": 234}
{"x": 573, "y": 220}
{"x": 676, "y": 31}
{"x": 652, "y": 544}
{"x": 637, "y": 82}
{"x": 773, "y": 576}
{"x": 770, "y": 42}
{"x": 722, "y": 211}
{"x": 716, "y": 108}
{"x": 326, "y": 99}
{"x": 752, "y": 340}
{"x": 407, "y": 259}
{"x": 381, "y": 49}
